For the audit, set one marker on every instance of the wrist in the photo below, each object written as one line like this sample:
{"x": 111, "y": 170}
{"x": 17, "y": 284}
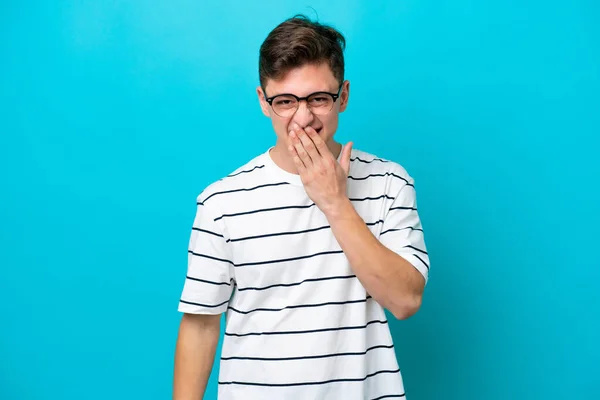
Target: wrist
{"x": 342, "y": 209}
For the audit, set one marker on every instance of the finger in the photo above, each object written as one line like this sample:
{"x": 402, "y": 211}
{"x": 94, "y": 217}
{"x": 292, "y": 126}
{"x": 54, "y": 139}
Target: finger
{"x": 297, "y": 161}
{"x": 345, "y": 159}
{"x": 318, "y": 141}
{"x": 309, "y": 145}
{"x": 302, "y": 153}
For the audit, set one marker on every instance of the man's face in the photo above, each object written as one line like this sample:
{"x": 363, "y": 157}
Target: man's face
{"x": 302, "y": 82}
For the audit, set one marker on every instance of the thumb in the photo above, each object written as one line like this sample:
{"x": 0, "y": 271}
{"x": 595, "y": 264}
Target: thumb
{"x": 345, "y": 159}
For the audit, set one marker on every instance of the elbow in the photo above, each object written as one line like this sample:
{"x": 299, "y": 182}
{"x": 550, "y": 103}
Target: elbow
{"x": 406, "y": 308}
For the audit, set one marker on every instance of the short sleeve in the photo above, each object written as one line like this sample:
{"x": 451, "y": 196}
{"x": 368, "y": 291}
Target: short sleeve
{"x": 402, "y": 231}
{"x": 209, "y": 281}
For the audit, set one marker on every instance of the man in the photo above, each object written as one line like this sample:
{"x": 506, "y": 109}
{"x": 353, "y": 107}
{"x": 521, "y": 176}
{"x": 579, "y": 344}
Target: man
{"x": 303, "y": 247}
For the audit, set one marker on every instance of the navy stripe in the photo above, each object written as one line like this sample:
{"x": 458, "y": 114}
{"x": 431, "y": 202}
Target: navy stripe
{"x": 401, "y": 229}
{"x": 368, "y": 162}
{"x": 374, "y": 198}
{"x": 389, "y": 396}
{"x": 311, "y": 383}
{"x": 292, "y": 233}
{"x": 386, "y": 174}
{"x": 289, "y": 259}
{"x": 343, "y": 328}
{"x": 245, "y": 172}
{"x": 263, "y": 210}
{"x": 360, "y": 353}
{"x": 266, "y": 262}
{"x": 280, "y": 234}
{"x": 331, "y": 303}
{"x": 420, "y": 259}
{"x": 204, "y": 305}
{"x": 297, "y": 283}
{"x": 205, "y": 231}
{"x": 375, "y": 223}
{"x": 403, "y": 208}
{"x": 210, "y": 282}
{"x": 414, "y": 248}
{"x": 243, "y": 190}
{"x": 293, "y": 207}
{"x": 209, "y": 257}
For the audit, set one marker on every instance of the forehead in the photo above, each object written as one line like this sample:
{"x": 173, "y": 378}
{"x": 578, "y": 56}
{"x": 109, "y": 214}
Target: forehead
{"x": 304, "y": 80}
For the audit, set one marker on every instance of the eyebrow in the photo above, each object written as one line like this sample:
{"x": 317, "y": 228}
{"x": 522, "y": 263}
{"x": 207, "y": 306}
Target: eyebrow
{"x": 316, "y": 91}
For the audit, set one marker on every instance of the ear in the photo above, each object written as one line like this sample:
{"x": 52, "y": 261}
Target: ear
{"x": 344, "y": 96}
{"x": 264, "y": 106}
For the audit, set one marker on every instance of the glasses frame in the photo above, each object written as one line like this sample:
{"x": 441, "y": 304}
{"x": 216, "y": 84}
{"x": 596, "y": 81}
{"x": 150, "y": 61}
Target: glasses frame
{"x": 335, "y": 96}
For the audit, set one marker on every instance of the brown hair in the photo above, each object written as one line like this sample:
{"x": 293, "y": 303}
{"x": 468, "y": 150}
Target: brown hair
{"x": 299, "y": 41}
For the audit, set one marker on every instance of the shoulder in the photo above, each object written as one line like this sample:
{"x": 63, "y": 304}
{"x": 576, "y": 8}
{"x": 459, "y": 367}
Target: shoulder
{"x": 241, "y": 177}
{"x": 363, "y": 163}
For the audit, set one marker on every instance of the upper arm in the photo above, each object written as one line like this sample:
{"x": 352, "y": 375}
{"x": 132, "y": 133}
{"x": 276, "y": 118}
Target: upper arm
{"x": 209, "y": 280}
{"x": 202, "y": 322}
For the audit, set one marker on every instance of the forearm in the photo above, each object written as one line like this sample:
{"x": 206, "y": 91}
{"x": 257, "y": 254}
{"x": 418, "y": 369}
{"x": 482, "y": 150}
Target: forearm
{"x": 194, "y": 355}
{"x": 391, "y": 280}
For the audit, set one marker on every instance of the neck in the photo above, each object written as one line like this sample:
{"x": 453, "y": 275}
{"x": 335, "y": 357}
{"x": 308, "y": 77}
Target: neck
{"x": 281, "y": 156}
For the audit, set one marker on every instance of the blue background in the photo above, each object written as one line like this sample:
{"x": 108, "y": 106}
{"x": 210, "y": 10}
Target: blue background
{"x": 115, "y": 115}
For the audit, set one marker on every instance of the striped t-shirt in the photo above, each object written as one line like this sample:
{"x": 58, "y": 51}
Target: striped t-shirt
{"x": 299, "y": 323}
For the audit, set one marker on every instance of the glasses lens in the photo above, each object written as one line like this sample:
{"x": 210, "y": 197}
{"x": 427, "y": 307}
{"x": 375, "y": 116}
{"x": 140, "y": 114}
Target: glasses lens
{"x": 320, "y": 103}
{"x": 284, "y": 105}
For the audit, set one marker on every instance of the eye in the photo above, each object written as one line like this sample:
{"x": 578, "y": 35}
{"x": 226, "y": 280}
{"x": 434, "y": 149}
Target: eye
{"x": 284, "y": 102}
{"x": 318, "y": 100}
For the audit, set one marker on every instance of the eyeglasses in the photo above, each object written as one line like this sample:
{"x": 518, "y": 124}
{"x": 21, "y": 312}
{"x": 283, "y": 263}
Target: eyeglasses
{"x": 320, "y": 103}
